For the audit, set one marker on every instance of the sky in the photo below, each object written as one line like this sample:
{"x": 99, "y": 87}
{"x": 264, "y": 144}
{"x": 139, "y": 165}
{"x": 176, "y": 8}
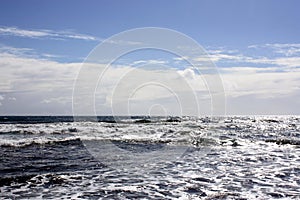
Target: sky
{"x": 255, "y": 45}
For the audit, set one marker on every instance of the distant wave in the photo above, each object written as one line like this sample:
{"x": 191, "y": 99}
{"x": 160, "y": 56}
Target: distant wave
{"x": 191, "y": 131}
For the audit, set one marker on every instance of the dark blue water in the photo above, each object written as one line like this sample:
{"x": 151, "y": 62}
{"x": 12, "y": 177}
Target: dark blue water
{"x": 242, "y": 157}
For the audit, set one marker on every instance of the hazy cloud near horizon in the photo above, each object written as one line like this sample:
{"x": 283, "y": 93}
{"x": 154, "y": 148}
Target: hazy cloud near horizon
{"x": 31, "y": 85}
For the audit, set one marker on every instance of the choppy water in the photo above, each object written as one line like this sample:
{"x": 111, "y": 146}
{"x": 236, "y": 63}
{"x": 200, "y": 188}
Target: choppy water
{"x": 188, "y": 158}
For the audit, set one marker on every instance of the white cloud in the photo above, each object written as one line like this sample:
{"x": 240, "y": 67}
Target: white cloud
{"x": 22, "y": 33}
{"x": 150, "y": 62}
{"x": 182, "y": 58}
{"x": 26, "y": 53}
{"x": 12, "y": 98}
{"x": 287, "y": 49}
{"x": 45, "y": 86}
{"x": 260, "y": 82}
{"x": 1, "y": 99}
{"x": 32, "y": 74}
{"x": 187, "y": 73}
{"x": 216, "y": 57}
{"x": 289, "y": 62}
{"x": 124, "y": 86}
{"x": 60, "y": 100}
{"x": 221, "y": 54}
{"x": 15, "y": 51}
{"x": 57, "y": 35}
{"x": 289, "y": 57}
{"x": 49, "y": 34}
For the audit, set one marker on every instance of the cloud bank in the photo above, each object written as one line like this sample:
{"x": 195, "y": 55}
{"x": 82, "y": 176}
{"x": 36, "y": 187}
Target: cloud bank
{"x": 32, "y": 85}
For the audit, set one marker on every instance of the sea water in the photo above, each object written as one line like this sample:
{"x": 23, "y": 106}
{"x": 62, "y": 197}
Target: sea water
{"x": 233, "y": 157}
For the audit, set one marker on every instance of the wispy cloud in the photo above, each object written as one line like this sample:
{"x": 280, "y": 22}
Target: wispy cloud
{"x": 288, "y": 56}
{"x": 149, "y": 62}
{"x": 44, "y": 33}
{"x": 57, "y": 35}
{"x": 289, "y": 62}
{"x": 15, "y": 51}
{"x": 286, "y": 49}
{"x": 26, "y": 53}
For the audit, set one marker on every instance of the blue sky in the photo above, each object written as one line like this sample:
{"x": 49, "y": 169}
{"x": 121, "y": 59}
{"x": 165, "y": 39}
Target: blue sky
{"x": 229, "y": 23}
{"x": 255, "y": 41}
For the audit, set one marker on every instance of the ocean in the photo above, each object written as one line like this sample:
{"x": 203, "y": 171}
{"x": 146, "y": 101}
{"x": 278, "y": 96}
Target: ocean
{"x": 140, "y": 157}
